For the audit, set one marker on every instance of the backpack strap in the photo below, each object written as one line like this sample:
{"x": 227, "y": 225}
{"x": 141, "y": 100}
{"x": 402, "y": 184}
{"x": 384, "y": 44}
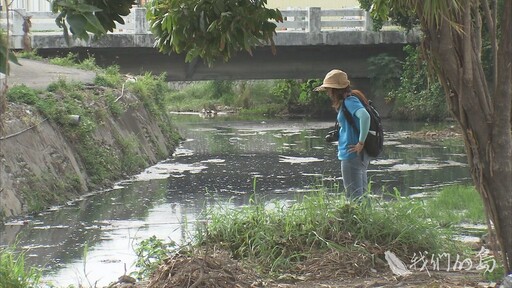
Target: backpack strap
{"x": 349, "y": 117}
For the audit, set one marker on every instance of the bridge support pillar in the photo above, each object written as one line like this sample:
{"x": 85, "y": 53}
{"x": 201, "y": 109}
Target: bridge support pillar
{"x": 368, "y": 23}
{"x": 141, "y": 24}
{"x": 17, "y": 19}
{"x": 315, "y": 22}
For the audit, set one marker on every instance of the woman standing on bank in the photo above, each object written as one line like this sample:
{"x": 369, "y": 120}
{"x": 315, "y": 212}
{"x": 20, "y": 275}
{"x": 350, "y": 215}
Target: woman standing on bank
{"x": 354, "y": 159}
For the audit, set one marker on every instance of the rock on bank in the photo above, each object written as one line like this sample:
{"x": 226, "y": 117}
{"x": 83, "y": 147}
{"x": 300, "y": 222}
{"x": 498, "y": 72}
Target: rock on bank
{"x": 48, "y": 158}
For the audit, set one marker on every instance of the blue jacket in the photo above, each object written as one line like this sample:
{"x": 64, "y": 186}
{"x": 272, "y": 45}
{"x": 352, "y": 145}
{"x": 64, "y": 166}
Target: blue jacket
{"x": 348, "y": 136}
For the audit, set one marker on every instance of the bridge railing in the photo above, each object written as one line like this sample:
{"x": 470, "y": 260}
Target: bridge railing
{"x": 311, "y": 20}
{"x": 315, "y": 20}
{"x": 44, "y": 22}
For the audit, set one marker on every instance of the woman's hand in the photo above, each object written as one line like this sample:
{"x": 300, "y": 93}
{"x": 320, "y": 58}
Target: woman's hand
{"x": 356, "y": 148}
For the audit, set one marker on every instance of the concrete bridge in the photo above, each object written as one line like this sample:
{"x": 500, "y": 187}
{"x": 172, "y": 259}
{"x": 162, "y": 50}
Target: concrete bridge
{"x": 309, "y": 43}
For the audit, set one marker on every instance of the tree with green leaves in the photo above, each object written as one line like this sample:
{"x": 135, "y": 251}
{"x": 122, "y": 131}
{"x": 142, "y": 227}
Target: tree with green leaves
{"x": 455, "y": 34}
{"x": 416, "y": 95}
{"x": 90, "y": 16}
{"x": 211, "y": 29}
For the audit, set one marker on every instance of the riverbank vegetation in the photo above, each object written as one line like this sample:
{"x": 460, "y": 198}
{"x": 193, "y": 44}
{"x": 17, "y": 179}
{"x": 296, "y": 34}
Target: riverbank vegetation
{"x": 13, "y": 271}
{"x": 418, "y": 95}
{"x": 81, "y": 110}
{"x": 320, "y": 236}
{"x": 268, "y": 98}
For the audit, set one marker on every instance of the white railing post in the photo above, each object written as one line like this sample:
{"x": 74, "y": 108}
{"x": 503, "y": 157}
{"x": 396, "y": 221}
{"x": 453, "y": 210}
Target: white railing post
{"x": 141, "y": 24}
{"x": 368, "y": 22}
{"x": 17, "y": 20}
{"x": 314, "y": 20}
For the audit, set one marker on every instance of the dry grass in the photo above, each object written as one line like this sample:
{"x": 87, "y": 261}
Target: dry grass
{"x": 332, "y": 269}
{"x": 217, "y": 270}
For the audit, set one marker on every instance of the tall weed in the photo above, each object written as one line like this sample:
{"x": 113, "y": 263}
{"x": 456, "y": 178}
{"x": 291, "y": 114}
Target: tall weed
{"x": 277, "y": 235}
{"x": 14, "y": 273}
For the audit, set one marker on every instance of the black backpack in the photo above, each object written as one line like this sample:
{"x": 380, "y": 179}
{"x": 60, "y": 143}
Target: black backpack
{"x": 374, "y": 143}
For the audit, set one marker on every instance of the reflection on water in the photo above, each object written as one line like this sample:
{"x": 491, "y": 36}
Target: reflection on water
{"x": 220, "y": 162}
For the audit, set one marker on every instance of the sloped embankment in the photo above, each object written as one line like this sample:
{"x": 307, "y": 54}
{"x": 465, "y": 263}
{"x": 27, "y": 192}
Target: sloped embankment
{"x": 47, "y": 157}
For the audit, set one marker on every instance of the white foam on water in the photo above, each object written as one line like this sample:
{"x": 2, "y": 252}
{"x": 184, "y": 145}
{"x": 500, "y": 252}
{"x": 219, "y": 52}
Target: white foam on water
{"x": 164, "y": 170}
{"x": 298, "y": 160}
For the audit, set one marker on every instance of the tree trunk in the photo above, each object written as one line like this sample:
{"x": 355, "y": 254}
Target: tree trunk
{"x": 484, "y": 115}
{"x": 502, "y": 144}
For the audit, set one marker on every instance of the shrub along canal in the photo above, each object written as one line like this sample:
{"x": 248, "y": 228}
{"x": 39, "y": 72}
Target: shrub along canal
{"x": 221, "y": 162}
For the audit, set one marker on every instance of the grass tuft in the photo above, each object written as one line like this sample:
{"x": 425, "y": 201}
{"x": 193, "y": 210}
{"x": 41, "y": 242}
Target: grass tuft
{"x": 277, "y": 236}
{"x": 14, "y": 273}
{"x": 457, "y": 204}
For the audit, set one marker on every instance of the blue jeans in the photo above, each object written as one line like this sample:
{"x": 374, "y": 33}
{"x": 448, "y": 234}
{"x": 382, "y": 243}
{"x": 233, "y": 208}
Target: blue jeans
{"x": 355, "y": 177}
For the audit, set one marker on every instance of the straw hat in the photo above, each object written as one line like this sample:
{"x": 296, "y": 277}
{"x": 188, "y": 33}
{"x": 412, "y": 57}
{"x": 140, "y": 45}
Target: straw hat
{"x": 334, "y": 79}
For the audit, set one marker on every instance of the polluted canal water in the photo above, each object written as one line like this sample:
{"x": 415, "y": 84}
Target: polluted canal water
{"x": 92, "y": 241}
